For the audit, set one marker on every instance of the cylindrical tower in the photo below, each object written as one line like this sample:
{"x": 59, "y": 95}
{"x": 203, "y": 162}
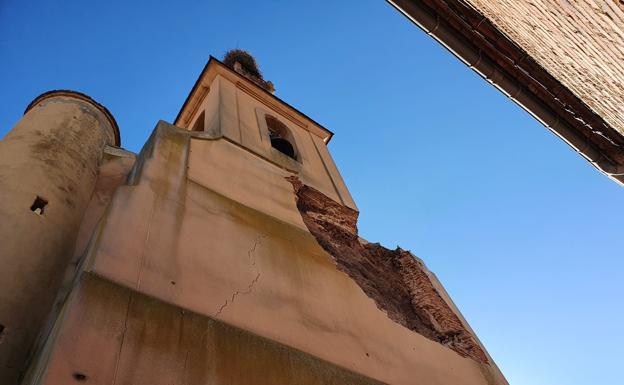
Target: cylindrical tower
{"x": 48, "y": 167}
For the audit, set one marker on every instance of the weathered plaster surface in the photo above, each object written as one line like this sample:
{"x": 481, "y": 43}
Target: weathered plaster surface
{"x": 54, "y": 152}
{"x": 179, "y": 240}
{"x": 115, "y": 335}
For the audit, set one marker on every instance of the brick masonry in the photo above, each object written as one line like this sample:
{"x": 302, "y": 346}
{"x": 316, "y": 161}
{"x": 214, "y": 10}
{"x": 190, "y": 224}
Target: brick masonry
{"x": 579, "y": 42}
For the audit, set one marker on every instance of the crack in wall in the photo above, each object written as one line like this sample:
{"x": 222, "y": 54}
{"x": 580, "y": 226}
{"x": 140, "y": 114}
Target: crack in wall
{"x": 123, "y": 339}
{"x": 252, "y": 260}
{"x": 396, "y": 280}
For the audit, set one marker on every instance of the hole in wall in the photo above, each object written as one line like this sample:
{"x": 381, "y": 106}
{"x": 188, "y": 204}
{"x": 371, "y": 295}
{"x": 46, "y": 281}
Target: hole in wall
{"x": 38, "y": 205}
{"x": 81, "y": 377}
{"x": 1, "y": 332}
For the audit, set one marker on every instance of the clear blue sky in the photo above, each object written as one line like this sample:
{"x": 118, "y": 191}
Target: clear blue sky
{"x": 523, "y": 233}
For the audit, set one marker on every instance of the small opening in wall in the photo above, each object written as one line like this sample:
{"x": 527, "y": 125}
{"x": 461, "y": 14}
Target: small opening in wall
{"x": 79, "y": 376}
{"x": 199, "y": 123}
{"x": 38, "y": 205}
{"x": 1, "y": 332}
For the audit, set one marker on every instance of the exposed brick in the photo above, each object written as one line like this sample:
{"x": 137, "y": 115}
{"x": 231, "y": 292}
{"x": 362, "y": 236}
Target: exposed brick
{"x": 579, "y": 42}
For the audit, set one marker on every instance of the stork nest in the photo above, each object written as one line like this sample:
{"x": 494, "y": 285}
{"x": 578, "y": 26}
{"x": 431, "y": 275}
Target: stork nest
{"x": 245, "y": 59}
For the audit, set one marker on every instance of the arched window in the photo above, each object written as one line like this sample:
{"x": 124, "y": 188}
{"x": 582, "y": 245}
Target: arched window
{"x": 199, "y": 123}
{"x": 281, "y": 138}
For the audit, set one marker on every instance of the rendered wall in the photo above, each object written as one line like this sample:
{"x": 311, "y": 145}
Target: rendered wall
{"x": 54, "y": 152}
{"x": 114, "y": 335}
{"x": 178, "y": 241}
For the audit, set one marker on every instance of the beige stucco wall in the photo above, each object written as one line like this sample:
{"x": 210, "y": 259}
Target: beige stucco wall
{"x": 113, "y": 335}
{"x": 53, "y": 152}
{"x": 179, "y": 240}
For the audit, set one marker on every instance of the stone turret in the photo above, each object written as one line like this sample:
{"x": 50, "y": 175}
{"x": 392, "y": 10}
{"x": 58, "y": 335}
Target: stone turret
{"x": 48, "y": 167}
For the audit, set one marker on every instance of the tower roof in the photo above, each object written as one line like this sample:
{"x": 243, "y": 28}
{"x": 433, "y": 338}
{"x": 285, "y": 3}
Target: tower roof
{"x": 216, "y": 67}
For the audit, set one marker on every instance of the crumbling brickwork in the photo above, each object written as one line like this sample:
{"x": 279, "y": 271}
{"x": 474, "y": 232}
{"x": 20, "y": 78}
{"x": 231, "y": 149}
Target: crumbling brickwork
{"x": 394, "y": 279}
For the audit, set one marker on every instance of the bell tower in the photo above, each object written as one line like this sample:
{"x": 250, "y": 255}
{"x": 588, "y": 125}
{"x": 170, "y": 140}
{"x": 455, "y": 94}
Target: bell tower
{"x": 229, "y": 254}
{"x": 233, "y": 103}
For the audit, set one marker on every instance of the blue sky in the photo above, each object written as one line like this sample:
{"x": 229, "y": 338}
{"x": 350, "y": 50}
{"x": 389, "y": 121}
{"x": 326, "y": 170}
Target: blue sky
{"x": 522, "y": 232}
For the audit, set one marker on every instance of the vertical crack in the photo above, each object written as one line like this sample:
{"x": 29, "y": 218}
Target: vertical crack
{"x": 123, "y": 338}
{"x": 146, "y": 242}
{"x": 185, "y": 369}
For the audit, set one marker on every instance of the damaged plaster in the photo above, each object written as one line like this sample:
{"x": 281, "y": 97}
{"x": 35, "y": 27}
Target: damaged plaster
{"x": 394, "y": 279}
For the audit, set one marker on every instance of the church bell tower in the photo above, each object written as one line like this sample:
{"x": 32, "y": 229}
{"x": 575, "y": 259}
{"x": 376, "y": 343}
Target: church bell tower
{"x": 227, "y": 252}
